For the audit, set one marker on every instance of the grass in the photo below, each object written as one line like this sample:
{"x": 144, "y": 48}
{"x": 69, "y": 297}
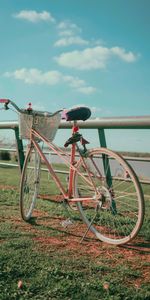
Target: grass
{"x": 52, "y": 263}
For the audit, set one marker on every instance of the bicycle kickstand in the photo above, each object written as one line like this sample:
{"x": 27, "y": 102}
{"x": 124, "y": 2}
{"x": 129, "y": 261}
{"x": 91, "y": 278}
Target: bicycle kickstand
{"x": 88, "y": 229}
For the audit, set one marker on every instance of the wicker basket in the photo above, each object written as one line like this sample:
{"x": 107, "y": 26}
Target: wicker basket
{"x": 45, "y": 123}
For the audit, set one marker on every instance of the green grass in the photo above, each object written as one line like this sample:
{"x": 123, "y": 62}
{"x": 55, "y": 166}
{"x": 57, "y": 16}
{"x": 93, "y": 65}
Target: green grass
{"x": 53, "y": 264}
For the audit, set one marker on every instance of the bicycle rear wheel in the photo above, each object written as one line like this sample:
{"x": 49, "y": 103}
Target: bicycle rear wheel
{"x": 114, "y": 208}
{"x": 30, "y": 182}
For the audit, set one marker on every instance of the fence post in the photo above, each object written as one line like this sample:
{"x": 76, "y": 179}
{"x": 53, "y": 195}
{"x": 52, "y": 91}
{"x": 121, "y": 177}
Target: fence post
{"x": 106, "y": 165}
{"x": 20, "y": 150}
{"x": 102, "y": 137}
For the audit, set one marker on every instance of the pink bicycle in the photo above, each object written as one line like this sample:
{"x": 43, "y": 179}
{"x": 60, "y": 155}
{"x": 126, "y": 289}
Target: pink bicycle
{"x": 111, "y": 204}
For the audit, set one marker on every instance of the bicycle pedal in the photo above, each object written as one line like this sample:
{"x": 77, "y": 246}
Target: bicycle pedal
{"x": 66, "y": 223}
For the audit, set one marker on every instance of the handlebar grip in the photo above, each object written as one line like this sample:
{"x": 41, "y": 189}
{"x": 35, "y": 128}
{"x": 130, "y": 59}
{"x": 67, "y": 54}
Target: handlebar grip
{"x": 6, "y": 101}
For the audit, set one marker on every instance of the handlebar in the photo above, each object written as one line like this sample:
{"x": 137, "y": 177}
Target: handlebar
{"x": 4, "y": 101}
{"x": 29, "y": 110}
{"x": 7, "y": 101}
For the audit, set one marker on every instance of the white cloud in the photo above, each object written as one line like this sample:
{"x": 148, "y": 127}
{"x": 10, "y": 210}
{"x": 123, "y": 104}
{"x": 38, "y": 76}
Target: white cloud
{"x": 121, "y": 53}
{"x": 69, "y": 33}
{"x": 67, "y": 25}
{"x": 80, "y": 85}
{"x": 35, "y": 76}
{"x": 72, "y": 40}
{"x": 66, "y": 33}
{"x": 90, "y": 58}
{"x": 75, "y": 82}
{"x": 34, "y": 16}
{"x": 93, "y": 58}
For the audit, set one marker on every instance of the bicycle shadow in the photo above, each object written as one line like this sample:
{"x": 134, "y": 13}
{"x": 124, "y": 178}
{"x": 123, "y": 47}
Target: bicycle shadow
{"x": 72, "y": 231}
{"x": 43, "y": 224}
{"x": 143, "y": 247}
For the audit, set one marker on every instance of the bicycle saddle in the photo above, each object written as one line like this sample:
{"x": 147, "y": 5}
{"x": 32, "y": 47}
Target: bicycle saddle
{"x": 78, "y": 113}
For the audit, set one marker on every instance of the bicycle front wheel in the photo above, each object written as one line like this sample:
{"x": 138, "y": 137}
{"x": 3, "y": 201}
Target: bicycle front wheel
{"x": 113, "y": 206}
{"x": 30, "y": 182}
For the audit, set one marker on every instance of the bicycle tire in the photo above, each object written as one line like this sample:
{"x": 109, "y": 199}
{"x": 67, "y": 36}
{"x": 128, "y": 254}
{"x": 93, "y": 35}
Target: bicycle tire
{"x": 116, "y": 212}
{"x": 30, "y": 182}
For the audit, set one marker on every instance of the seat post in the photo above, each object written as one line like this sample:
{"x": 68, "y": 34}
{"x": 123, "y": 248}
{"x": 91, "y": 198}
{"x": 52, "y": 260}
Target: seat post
{"x": 75, "y": 127}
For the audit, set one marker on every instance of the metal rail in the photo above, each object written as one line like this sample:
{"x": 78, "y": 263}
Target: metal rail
{"x": 133, "y": 158}
{"x": 138, "y": 122}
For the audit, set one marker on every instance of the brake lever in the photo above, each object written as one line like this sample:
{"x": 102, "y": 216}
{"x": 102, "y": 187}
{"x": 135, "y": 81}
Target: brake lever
{"x": 6, "y": 106}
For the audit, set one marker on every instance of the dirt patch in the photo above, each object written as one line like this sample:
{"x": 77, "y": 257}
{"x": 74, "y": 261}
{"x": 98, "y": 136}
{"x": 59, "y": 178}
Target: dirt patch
{"x": 50, "y": 236}
{"x": 97, "y": 251}
{"x": 2, "y": 241}
{"x": 53, "y": 235}
{"x": 72, "y": 235}
{"x": 4, "y": 187}
{"x": 55, "y": 198}
{"x": 46, "y": 241}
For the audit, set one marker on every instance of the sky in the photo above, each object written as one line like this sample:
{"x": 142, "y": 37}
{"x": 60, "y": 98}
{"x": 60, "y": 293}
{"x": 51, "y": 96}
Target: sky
{"x": 63, "y": 53}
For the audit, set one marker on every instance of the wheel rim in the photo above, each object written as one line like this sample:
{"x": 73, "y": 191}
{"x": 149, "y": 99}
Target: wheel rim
{"x": 29, "y": 184}
{"x": 115, "y": 214}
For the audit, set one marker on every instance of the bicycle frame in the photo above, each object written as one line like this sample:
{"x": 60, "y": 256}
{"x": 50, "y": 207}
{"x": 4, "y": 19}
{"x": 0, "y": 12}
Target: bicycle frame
{"x": 116, "y": 213}
{"x": 68, "y": 160}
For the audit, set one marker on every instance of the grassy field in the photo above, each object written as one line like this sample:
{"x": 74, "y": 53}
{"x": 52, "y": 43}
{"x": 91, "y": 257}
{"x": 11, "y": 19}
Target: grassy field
{"x": 51, "y": 263}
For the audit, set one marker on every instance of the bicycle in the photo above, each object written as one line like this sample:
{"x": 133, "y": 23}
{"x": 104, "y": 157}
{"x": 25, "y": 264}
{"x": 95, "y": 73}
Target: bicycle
{"x": 111, "y": 205}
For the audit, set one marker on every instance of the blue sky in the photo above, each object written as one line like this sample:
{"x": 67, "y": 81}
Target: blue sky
{"x": 62, "y": 53}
